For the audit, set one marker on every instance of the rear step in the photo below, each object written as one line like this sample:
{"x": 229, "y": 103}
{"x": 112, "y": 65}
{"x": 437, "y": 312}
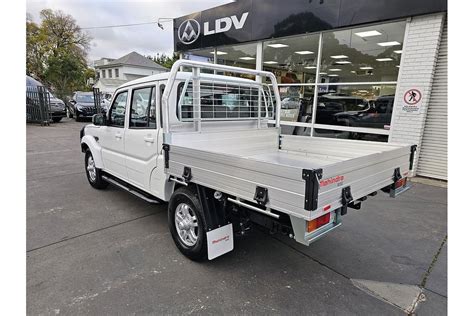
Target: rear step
{"x": 127, "y": 187}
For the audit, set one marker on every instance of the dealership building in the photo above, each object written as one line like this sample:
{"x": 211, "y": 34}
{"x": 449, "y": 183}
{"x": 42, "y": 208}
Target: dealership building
{"x": 356, "y": 69}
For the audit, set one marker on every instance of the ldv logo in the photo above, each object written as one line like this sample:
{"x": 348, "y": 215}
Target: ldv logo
{"x": 189, "y": 30}
{"x": 225, "y": 24}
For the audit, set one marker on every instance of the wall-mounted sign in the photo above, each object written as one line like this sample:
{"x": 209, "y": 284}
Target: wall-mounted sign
{"x": 411, "y": 102}
{"x": 254, "y": 20}
{"x": 190, "y": 29}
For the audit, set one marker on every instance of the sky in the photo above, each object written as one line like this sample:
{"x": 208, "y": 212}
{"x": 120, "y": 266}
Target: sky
{"x": 116, "y": 42}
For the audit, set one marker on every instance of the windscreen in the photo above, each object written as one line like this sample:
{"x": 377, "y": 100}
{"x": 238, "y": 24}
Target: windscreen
{"x": 85, "y": 98}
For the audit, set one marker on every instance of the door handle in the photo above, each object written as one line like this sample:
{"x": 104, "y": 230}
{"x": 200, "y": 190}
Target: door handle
{"x": 149, "y": 139}
{"x": 118, "y": 135}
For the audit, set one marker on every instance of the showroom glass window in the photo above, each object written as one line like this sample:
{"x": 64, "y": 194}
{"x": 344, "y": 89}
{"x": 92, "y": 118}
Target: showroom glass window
{"x": 294, "y": 62}
{"x": 358, "y": 74}
{"x": 243, "y": 56}
{"x": 203, "y": 55}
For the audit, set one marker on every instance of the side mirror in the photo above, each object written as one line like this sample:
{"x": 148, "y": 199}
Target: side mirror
{"x": 98, "y": 119}
{"x": 72, "y": 101}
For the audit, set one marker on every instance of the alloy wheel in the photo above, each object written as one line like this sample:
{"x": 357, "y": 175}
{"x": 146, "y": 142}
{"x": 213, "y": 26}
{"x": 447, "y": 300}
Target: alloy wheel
{"x": 186, "y": 224}
{"x": 91, "y": 168}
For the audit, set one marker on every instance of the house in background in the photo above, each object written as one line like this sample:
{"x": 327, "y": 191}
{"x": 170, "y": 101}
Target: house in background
{"x": 112, "y": 73}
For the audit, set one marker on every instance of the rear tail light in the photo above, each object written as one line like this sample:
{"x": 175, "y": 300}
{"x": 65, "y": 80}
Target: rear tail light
{"x": 318, "y": 222}
{"x": 400, "y": 183}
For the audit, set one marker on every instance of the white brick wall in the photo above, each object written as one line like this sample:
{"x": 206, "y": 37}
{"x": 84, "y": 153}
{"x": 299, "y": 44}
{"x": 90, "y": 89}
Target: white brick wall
{"x": 420, "y": 49}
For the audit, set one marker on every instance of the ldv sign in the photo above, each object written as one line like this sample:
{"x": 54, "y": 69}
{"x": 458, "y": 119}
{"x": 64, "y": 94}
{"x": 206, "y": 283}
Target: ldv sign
{"x": 189, "y": 30}
{"x": 225, "y": 24}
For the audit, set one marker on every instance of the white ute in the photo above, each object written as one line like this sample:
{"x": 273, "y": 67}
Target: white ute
{"x": 210, "y": 145}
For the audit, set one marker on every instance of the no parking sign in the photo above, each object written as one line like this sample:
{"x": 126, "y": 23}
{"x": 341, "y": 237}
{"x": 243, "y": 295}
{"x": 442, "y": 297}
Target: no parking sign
{"x": 412, "y": 100}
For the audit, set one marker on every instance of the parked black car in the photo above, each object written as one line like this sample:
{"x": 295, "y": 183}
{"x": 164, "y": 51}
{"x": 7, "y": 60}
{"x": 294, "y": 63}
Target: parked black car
{"x": 81, "y": 105}
{"x": 377, "y": 116}
{"x": 57, "y": 106}
{"x": 331, "y": 105}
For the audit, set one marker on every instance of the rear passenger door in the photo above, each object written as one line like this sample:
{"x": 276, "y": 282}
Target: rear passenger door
{"x": 141, "y": 136}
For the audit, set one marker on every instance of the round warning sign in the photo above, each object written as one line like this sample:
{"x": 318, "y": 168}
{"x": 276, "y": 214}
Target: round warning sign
{"x": 411, "y": 101}
{"x": 412, "y": 96}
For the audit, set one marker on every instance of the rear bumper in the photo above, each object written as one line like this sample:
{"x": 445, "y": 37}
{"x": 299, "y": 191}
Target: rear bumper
{"x": 319, "y": 234}
{"x": 58, "y": 113}
{"x": 88, "y": 114}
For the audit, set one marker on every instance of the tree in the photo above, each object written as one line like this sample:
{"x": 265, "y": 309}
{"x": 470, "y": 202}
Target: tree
{"x": 165, "y": 60}
{"x": 56, "y": 51}
{"x": 63, "y": 33}
{"x": 35, "y": 50}
{"x": 65, "y": 72}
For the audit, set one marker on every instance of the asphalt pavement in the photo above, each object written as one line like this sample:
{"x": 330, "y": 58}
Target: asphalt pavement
{"x": 108, "y": 252}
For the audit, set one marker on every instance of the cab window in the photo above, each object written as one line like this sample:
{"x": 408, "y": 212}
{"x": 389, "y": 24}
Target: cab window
{"x": 143, "y": 108}
{"x": 117, "y": 110}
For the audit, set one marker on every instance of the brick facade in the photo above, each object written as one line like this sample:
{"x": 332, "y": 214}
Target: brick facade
{"x": 417, "y": 69}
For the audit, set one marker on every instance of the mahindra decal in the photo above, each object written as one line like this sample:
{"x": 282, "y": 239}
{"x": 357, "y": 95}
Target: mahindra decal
{"x": 336, "y": 179}
{"x": 225, "y": 238}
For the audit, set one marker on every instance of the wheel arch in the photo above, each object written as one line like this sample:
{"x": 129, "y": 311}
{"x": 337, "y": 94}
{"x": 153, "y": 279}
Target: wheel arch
{"x": 89, "y": 142}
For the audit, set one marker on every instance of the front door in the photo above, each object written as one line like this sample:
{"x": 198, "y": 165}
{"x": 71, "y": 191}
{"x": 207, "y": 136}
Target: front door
{"x": 112, "y": 139}
{"x": 141, "y": 136}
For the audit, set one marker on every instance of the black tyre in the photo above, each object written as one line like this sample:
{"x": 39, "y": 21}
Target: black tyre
{"x": 187, "y": 224}
{"x": 94, "y": 175}
{"x": 57, "y": 119}
{"x": 78, "y": 119}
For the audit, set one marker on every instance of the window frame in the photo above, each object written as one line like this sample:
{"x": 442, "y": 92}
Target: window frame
{"x": 109, "y": 116}
{"x": 161, "y": 89}
{"x": 153, "y": 88}
{"x": 116, "y": 72}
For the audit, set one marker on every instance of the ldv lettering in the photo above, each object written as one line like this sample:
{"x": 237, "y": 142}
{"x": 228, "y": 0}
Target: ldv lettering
{"x": 225, "y": 24}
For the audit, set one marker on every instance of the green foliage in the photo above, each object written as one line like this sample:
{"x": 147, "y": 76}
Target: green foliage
{"x": 56, "y": 51}
{"x": 165, "y": 60}
{"x": 65, "y": 73}
{"x": 35, "y": 50}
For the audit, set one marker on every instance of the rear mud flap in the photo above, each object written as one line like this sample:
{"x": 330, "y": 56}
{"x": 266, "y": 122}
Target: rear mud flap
{"x": 220, "y": 241}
